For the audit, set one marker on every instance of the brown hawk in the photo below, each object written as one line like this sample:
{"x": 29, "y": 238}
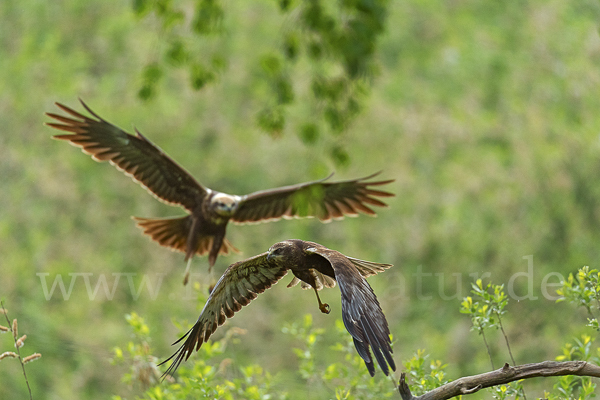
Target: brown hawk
{"x": 315, "y": 266}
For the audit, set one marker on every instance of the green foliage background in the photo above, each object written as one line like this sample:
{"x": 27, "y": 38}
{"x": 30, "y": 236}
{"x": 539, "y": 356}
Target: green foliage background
{"x": 485, "y": 113}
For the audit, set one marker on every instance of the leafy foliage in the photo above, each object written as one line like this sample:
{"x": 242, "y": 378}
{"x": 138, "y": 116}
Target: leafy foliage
{"x": 485, "y": 114}
{"x": 575, "y": 387}
{"x": 335, "y": 41}
{"x": 201, "y": 379}
{"x": 142, "y": 364}
{"x": 583, "y": 291}
{"x": 348, "y": 378}
{"x": 486, "y": 313}
{"x": 424, "y": 377}
{"x": 491, "y": 304}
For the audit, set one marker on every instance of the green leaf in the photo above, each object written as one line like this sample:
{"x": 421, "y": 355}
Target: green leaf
{"x": 271, "y": 120}
{"x": 309, "y": 133}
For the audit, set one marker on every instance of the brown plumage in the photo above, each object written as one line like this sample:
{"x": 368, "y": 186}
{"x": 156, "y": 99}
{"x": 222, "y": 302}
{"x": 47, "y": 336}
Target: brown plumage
{"x": 315, "y": 266}
{"x": 203, "y": 229}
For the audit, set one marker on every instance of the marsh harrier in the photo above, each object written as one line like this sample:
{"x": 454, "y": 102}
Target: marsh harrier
{"x": 316, "y": 267}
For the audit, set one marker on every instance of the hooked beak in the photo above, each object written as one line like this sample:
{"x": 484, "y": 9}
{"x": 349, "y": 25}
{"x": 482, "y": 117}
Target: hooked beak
{"x": 271, "y": 256}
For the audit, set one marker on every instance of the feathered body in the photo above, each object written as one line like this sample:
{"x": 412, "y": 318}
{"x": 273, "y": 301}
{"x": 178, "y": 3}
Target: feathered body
{"x": 315, "y": 266}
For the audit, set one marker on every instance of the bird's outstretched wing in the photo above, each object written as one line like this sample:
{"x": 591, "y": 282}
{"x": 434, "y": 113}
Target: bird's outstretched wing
{"x": 135, "y": 155}
{"x": 324, "y": 200}
{"x": 239, "y": 285}
{"x": 361, "y": 312}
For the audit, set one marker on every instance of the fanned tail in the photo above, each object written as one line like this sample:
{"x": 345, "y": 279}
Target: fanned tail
{"x": 174, "y": 232}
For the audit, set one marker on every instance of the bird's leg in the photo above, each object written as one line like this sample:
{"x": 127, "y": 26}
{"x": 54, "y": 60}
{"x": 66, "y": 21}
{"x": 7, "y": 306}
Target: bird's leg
{"x": 191, "y": 247}
{"x": 211, "y": 279}
{"x": 186, "y": 275}
{"x": 324, "y": 307}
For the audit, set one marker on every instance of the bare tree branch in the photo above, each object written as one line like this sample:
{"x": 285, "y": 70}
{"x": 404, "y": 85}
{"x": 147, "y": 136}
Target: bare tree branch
{"x": 506, "y": 374}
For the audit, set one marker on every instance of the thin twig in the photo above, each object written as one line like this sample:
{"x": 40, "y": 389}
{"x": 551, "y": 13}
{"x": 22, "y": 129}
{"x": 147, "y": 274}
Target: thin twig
{"x": 487, "y": 347}
{"x": 18, "y": 351}
{"x": 506, "y": 339}
{"x": 597, "y": 298}
{"x": 504, "y": 375}
{"x": 508, "y": 346}
{"x": 589, "y": 310}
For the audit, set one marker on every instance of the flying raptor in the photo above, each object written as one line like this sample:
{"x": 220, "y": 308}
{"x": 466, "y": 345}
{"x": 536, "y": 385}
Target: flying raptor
{"x": 203, "y": 229}
{"x": 315, "y": 266}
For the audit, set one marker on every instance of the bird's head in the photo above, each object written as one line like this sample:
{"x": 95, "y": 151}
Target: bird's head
{"x": 280, "y": 251}
{"x": 224, "y": 204}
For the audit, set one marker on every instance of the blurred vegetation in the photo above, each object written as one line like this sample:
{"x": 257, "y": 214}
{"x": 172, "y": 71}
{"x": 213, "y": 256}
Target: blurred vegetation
{"x": 486, "y": 114}
{"x": 322, "y": 55}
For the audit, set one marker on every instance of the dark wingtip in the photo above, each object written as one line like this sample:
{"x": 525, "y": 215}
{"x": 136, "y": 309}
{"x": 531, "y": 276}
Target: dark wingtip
{"x": 178, "y": 356}
{"x": 381, "y": 183}
{"x": 392, "y": 364}
{"x": 89, "y": 109}
{"x": 371, "y": 176}
{"x": 70, "y": 111}
{"x": 60, "y": 137}
{"x": 63, "y": 107}
{"x": 371, "y": 369}
{"x": 83, "y": 103}
{"x": 99, "y": 118}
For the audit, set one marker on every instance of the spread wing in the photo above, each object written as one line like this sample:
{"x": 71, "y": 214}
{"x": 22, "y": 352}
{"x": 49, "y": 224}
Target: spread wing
{"x": 324, "y": 200}
{"x": 239, "y": 285}
{"x": 361, "y": 312}
{"x": 135, "y": 155}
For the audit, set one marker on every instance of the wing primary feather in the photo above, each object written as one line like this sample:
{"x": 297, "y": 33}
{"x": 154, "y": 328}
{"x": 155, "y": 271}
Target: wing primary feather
{"x": 239, "y": 285}
{"x": 376, "y": 346}
{"x": 320, "y": 199}
{"x": 88, "y": 110}
{"x": 134, "y": 155}
{"x": 373, "y": 201}
{"x": 361, "y": 312}
{"x": 365, "y": 354}
{"x": 379, "y": 193}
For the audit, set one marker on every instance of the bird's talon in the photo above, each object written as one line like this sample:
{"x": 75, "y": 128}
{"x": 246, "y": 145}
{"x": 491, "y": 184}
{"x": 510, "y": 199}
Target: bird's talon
{"x": 325, "y": 309}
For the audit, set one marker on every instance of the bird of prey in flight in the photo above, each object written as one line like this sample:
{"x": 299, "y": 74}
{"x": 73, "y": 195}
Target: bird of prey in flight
{"x": 203, "y": 229}
{"x": 315, "y": 266}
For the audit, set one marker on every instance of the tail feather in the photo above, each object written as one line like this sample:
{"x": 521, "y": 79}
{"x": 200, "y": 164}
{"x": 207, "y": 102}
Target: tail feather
{"x": 173, "y": 233}
{"x": 368, "y": 268}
